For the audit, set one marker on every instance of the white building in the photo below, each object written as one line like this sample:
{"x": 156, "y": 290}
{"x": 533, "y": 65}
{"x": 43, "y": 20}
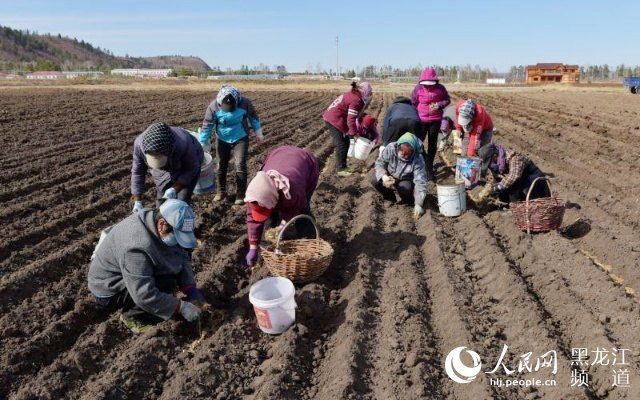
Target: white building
{"x": 142, "y": 72}
{"x": 76, "y": 74}
{"x": 45, "y": 75}
{"x": 496, "y": 81}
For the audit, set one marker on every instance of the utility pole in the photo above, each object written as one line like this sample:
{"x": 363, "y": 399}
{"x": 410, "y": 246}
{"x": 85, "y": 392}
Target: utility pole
{"x": 337, "y": 57}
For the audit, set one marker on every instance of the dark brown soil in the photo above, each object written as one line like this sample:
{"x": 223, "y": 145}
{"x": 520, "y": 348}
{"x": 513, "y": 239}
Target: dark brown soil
{"x": 398, "y": 296}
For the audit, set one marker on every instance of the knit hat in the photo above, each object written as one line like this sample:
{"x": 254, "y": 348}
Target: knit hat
{"x": 157, "y": 143}
{"x": 487, "y": 152}
{"x": 180, "y": 216}
{"x": 369, "y": 121}
{"x": 466, "y": 114}
{"x": 227, "y": 90}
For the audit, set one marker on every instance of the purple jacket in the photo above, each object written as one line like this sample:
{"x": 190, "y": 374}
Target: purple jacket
{"x": 301, "y": 167}
{"x": 183, "y": 164}
{"x": 422, "y": 98}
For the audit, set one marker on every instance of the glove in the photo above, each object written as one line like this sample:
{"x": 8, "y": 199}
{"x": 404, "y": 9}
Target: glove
{"x": 497, "y": 188}
{"x": 252, "y": 257}
{"x": 418, "y": 211}
{"x": 434, "y": 106}
{"x": 388, "y": 181}
{"x": 194, "y": 295}
{"x": 170, "y": 194}
{"x": 259, "y": 135}
{"x": 189, "y": 311}
{"x": 137, "y": 206}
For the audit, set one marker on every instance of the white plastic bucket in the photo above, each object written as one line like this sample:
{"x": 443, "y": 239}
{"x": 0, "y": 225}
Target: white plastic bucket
{"x": 363, "y": 148}
{"x": 352, "y": 148}
{"x": 205, "y": 146}
{"x": 207, "y": 181}
{"x": 452, "y": 199}
{"x": 274, "y": 304}
{"x": 468, "y": 170}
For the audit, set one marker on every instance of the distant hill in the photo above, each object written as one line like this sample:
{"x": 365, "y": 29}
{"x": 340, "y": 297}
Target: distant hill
{"x": 28, "y": 50}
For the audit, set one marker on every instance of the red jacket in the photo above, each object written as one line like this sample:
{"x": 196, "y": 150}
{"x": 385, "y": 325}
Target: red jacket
{"x": 344, "y": 110}
{"x": 481, "y": 123}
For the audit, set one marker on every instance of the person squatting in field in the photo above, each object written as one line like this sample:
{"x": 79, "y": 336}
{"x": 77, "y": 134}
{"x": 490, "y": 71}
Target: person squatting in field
{"x": 401, "y": 117}
{"x": 229, "y": 115}
{"x": 142, "y": 263}
{"x": 367, "y": 127}
{"x": 341, "y": 117}
{"x": 474, "y": 124}
{"x": 281, "y": 190}
{"x": 510, "y": 174}
{"x": 401, "y": 168}
{"x": 430, "y": 99}
{"x": 174, "y": 158}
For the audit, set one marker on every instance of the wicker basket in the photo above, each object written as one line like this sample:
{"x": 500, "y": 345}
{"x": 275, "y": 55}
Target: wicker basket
{"x": 300, "y": 260}
{"x": 538, "y": 215}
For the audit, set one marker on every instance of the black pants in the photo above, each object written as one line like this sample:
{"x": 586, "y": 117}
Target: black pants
{"x": 399, "y": 127}
{"x": 431, "y": 130}
{"x": 123, "y": 300}
{"x": 239, "y": 150}
{"x": 404, "y": 189}
{"x": 340, "y": 145}
{"x": 518, "y": 191}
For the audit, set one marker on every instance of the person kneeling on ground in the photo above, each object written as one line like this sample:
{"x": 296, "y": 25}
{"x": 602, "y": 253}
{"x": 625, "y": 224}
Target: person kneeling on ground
{"x": 510, "y": 174}
{"x": 401, "y": 168}
{"x": 174, "y": 157}
{"x": 367, "y": 127}
{"x": 281, "y": 190}
{"x": 143, "y": 261}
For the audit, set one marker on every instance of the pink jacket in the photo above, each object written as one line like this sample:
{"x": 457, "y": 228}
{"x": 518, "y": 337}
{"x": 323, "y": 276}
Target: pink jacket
{"x": 422, "y": 98}
{"x": 344, "y": 110}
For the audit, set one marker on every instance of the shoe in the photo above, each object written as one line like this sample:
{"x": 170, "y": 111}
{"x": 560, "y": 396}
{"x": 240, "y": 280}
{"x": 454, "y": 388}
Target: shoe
{"x": 220, "y": 196}
{"x": 134, "y": 325}
{"x": 344, "y": 172}
{"x": 238, "y": 202}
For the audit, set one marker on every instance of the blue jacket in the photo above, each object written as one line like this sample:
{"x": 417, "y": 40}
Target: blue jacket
{"x": 183, "y": 164}
{"x": 401, "y": 108}
{"x": 229, "y": 126}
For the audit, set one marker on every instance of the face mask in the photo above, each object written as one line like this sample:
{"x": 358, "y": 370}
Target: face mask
{"x": 400, "y": 156}
{"x": 170, "y": 239}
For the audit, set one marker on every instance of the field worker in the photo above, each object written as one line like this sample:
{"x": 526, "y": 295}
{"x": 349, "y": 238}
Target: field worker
{"x": 230, "y": 114}
{"x": 281, "y": 190}
{"x": 367, "y": 126}
{"x": 401, "y": 168}
{"x": 174, "y": 157}
{"x": 141, "y": 264}
{"x": 340, "y": 118}
{"x": 510, "y": 174}
{"x": 401, "y": 117}
{"x": 475, "y": 126}
{"x": 430, "y": 99}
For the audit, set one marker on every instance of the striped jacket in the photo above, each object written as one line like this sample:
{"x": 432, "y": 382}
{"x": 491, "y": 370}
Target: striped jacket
{"x": 344, "y": 110}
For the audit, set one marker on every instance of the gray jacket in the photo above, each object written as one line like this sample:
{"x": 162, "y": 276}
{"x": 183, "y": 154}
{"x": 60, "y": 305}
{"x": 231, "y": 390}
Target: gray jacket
{"x": 130, "y": 256}
{"x": 413, "y": 170}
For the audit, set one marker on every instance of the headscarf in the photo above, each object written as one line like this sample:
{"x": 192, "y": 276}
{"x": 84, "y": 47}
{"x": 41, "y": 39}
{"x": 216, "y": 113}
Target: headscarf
{"x": 264, "y": 188}
{"x": 412, "y": 140}
{"x": 468, "y": 110}
{"x": 157, "y": 138}
{"x": 366, "y": 90}
{"x": 226, "y": 90}
{"x": 487, "y": 152}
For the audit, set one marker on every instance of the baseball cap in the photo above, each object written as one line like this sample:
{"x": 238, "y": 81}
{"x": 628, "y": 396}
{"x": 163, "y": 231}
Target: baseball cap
{"x": 258, "y": 212}
{"x": 182, "y": 219}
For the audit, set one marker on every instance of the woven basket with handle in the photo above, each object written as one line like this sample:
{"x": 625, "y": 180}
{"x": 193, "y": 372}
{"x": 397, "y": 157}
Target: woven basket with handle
{"x": 538, "y": 215}
{"x": 300, "y": 260}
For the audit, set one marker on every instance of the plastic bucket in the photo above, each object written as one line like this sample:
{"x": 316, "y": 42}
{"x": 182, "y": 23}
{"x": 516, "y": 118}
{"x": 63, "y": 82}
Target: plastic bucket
{"x": 468, "y": 171}
{"x": 352, "y": 148}
{"x": 207, "y": 181}
{"x": 452, "y": 199}
{"x": 274, "y": 304}
{"x": 363, "y": 148}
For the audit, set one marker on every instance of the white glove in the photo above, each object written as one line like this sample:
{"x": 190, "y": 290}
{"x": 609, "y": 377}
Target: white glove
{"x": 388, "y": 181}
{"x": 170, "y": 194}
{"x": 137, "y": 206}
{"x": 259, "y": 135}
{"x": 189, "y": 311}
{"x": 418, "y": 211}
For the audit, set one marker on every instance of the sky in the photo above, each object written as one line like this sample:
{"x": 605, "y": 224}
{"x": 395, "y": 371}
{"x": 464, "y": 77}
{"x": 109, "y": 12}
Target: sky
{"x": 301, "y": 34}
